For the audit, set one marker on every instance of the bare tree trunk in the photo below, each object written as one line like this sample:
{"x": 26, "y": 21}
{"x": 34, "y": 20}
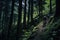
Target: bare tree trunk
{"x": 29, "y": 13}
{"x": 19, "y": 25}
{"x": 24, "y": 19}
{"x": 56, "y": 18}
{"x": 11, "y": 20}
{"x": 50, "y": 6}
{"x": 57, "y": 14}
{"x": 1, "y": 6}
{"x": 32, "y": 12}
{"x": 40, "y": 8}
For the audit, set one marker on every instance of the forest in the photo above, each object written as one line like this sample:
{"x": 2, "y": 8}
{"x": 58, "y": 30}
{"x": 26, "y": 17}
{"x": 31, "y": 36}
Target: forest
{"x": 29, "y": 20}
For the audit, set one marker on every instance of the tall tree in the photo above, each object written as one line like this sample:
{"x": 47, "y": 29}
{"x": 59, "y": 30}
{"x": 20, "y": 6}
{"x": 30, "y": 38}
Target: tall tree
{"x": 32, "y": 12}
{"x": 50, "y": 6}
{"x": 57, "y": 14}
{"x": 40, "y": 8}
{"x": 19, "y": 26}
{"x": 29, "y": 14}
{"x": 56, "y": 18}
{"x": 24, "y": 19}
{"x": 1, "y": 6}
{"x": 11, "y": 20}
{"x": 0, "y": 11}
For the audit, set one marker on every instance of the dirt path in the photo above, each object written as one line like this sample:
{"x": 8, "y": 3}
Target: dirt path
{"x": 39, "y": 31}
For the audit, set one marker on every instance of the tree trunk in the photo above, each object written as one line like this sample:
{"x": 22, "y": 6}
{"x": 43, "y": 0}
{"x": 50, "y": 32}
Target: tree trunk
{"x": 57, "y": 14}
{"x": 11, "y": 20}
{"x": 1, "y": 6}
{"x": 19, "y": 25}
{"x": 24, "y": 19}
{"x": 32, "y": 12}
{"x": 40, "y": 8}
{"x": 29, "y": 13}
{"x": 50, "y": 6}
{"x": 56, "y": 18}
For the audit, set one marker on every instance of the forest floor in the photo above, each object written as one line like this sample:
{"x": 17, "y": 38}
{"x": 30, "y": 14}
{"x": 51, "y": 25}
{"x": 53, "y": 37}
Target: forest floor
{"x": 36, "y": 35}
{"x": 40, "y": 30}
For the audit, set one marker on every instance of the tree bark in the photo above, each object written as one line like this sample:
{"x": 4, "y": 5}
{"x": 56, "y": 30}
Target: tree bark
{"x": 19, "y": 25}
{"x": 11, "y": 20}
{"x": 56, "y": 18}
{"x": 24, "y": 19}
{"x": 32, "y": 12}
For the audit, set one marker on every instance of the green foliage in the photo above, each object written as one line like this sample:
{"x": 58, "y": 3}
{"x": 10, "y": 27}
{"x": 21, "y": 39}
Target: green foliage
{"x": 50, "y": 31}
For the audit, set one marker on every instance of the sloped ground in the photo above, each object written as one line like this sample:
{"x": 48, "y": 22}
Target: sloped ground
{"x": 39, "y": 31}
{"x": 36, "y": 35}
